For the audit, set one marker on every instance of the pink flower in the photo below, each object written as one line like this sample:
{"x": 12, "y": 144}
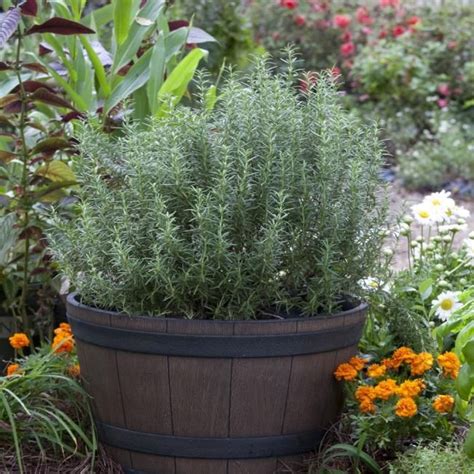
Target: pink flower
{"x": 290, "y": 4}
{"x": 347, "y": 49}
{"x": 322, "y": 24}
{"x": 452, "y": 44}
{"x": 444, "y": 89}
{"x": 335, "y": 71}
{"x": 363, "y": 16}
{"x": 342, "y": 21}
{"x": 366, "y": 30}
{"x": 442, "y": 103}
{"x": 398, "y": 30}
{"x": 389, "y": 3}
{"x": 413, "y": 20}
{"x": 310, "y": 79}
{"x": 383, "y": 34}
{"x": 300, "y": 20}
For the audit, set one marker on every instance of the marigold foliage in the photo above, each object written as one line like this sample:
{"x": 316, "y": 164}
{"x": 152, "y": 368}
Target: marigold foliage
{"x": 270, "y": 201}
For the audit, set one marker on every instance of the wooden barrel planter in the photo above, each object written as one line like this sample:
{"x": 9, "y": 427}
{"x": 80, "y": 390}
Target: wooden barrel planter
{"x": 176, "y": 396}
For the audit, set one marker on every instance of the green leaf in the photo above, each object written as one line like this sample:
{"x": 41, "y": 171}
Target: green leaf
{"x": 136, "y": 77}
{"x": 464, "y": 382}
{"x": 100, "y": 17}
{"x": 56, "y": 171}
{"x": 347, "y": 450}
{"x": 126, "y": 52}
{"x": 210, "y": 98}
{"x": 177, "y": 82}
{"x": 157, "y": 71}
{"x": 465, "y": 335}
{"x": 425, "y": 289}
{"x": 122, "y": 19}
{"x": 468, "y": 351}
{"x": 469, "y": 443}
{"x": 98, "y": 67}
{"x": 8, "y": 236}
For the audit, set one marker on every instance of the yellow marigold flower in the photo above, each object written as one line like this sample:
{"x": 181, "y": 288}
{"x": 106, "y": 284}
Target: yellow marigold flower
{"x": 421, "y": 363}
{"x": 411, "y": 388}
{"x": 365, "y": 392}
{"x": 376, "y": 370}
{"x": 357, "y": 362}
{"x": 403, "y": 355}
{"x": 63, "y": 342}
{"x": 19, "y": 340}
{"x": 443, "y": 403}
{"x": 345, "y": 372}
{"x": 385, "y": 389}
{"x": 74, "y": 370}
{"x": 367, "y": 406}
{"x": 450, "y": 364}
{"x": 406, "y": 407}
{"x": 12, "y": 369}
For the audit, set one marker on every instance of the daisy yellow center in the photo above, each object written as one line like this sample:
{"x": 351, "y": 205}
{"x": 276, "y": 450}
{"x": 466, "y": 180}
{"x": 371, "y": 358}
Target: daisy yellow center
{"x": 447, "y": 304}
{"x": 436, "y": 202}
{"x": 424, "y": 214}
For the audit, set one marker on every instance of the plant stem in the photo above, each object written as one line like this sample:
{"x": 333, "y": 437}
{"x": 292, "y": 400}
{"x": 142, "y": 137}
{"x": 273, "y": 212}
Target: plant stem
{"x": 24, "y": 203}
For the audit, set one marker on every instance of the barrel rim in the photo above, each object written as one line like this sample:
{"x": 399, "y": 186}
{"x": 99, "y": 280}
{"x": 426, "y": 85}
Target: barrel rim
{"x": 73, "y": 301}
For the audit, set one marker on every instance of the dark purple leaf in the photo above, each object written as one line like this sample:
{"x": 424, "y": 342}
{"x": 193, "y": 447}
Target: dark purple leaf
{"x": 4, "y": 66}
{"x": 8, "y": 25}
{"x": 8, "y": 99}
{"x": 72, "y": 116}
{"x": 174, "y": 25}
{"x": 44, "y": 48}
{"x": 29, "y": 7}
{"x": 32, "y": 86}
{"x": 47, "y": 97}
{"x": 60, "y": 26}
{"x": 37, "y": 67}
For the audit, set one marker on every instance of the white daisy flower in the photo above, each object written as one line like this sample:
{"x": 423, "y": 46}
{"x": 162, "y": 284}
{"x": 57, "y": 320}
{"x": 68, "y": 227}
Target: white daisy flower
{"x": 446, "y": 303}
{"x": 461, "y": 212}
{"x": 425, "y": 214}
{"x": 442, "y": 205}
{"x": 373, "y": 284}
{"x": 469, "y": 245}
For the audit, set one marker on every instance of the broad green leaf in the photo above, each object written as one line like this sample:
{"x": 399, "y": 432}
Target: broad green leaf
{"x": 141, "y": 107}
{"x": 157, "y": 71}
{"x": 175, "y": 42}
{"x": 425, "y": 289}
{"x": 98, "y": 67}
{"x": 469, "y": 443}
{"x": 468, "y": 351}
{"x": 464, "y": 382}
{"x": 466, "y": 334}
{"x": 57, "y": 171}
{"x": 126, "y": 52}
{"x": 177, "y": 82}
{"x": 100, "y": 17}
{"x": 136, "y": 77}
{"x": 122, "y": 19}
{"x": 210, "y": 98}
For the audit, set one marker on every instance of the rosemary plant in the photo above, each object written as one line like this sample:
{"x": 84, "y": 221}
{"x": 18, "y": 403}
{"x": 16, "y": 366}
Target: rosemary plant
{"x": 269, "y": 201}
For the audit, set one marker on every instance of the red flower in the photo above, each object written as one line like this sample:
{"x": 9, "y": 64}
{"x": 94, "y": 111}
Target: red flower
{"x": 300, "y": 20}
{"x": 413, "y": 20}
{"x": 346, "y": 37}
{"x": 347, "y": 49}
{"x": 310, "y": 79}
{"x": 335, "y": 71}
{"x": 342, "y": 21}
{"x": 363, "y": 16}
{"x": 290, "y": 4}
{"x": 398, "y": 30}
{"x": 389, "y": 3}
{"x": 444, "y": 89}
{"x": 442, "y": 103}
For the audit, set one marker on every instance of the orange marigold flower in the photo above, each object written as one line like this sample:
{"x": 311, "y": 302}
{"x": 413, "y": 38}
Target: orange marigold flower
{"x": 450, "y": 364}
{"x": 389, "y": 364}
{"x": 403, "y": 355}
{"x": 345, "y": 372}
{"x": 19, "y": 340}
{"x": 365, "y": 392}
{"x": 421, "y": 363}
{"x": 385, "y": 389}
{"x": 12, "y": 369}
{"x": 406, "y": 407}
{"x": 376, "y": 370}
{"x": 64, "y": 328}
{"x": 357, "y": 362}
{"x": 74, "y": 370}
{"x": 367, "y": 406}
{"x": 63, "y": 342}
{"x": 411, "y": 388}
{"x": 443, "y": 403}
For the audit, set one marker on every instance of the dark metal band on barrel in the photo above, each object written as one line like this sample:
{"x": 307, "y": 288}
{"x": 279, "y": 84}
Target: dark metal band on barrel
{"x": 190, "y": 345}
{"x": 209, "y": 448}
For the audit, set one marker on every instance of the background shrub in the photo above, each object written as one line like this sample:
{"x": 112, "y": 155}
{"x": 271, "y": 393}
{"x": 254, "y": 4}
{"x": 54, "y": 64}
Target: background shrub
{"x": 271, "y": 199}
